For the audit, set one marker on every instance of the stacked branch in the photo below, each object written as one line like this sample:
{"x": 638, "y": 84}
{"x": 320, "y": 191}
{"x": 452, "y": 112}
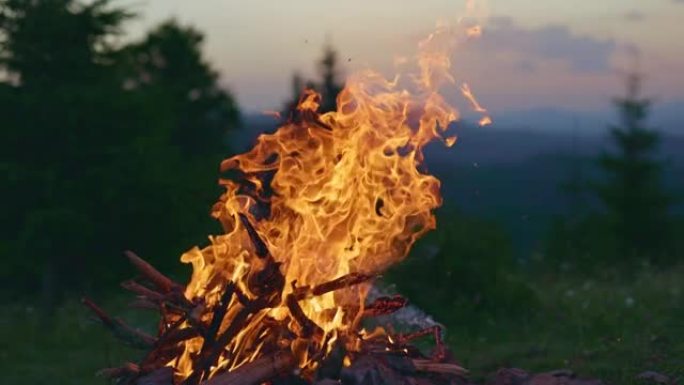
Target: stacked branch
{"x": 183, "y": 319}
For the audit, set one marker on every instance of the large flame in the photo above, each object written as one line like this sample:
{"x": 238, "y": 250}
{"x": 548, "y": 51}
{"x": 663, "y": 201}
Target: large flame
{"x": 330, "y": 195}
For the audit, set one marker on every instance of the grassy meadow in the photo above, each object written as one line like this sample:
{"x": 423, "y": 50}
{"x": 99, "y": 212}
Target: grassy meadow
{"x": 611, "y": 329}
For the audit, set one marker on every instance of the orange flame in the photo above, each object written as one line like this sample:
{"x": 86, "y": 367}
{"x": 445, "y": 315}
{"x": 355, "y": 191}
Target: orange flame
{"x": 330, "y": 195}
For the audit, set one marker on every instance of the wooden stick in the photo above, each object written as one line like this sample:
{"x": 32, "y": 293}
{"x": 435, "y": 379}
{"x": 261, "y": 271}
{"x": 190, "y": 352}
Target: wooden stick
{"x": 384, "y": 306}
{"x": 267, "y": 281}
{"x": 141, "y": 290}
{"x": 339, "y": 283}
{"x": 220, "y": 310}
{"x": 121, "y": 330}
{"x": 219, "y": 313}
{"x": 177, "y": 335}
{"x": 256, "y": 372}
{"x": 336, "y": 284}
{"x": 160, "y": 376}
{"x": 436, "y": 332}
{"x": 308, "y": 327}
{"x": 438, "y": 367}
{"x": 144, "y": 303}
{"x": 216, "y": 347}
{"x": 158, "y": 279}
{"x": 241, "y": 296}
{"x": 260, "y": 248}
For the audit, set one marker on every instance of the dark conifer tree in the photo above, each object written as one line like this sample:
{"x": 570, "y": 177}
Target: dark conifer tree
{"x": 632, "y": 192}
{"x": 330, "y": 84}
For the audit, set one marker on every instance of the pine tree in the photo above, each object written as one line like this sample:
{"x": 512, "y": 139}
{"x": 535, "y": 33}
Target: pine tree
{"x": 330, "y": 85}
{"x": 169, "y": 68}
{"x": 632, "y": 194}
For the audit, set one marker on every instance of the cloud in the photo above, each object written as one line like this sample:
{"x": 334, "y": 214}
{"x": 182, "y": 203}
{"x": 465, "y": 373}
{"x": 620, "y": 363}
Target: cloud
{"x": 553, "y": 42}
{"x": 678, "y": 1}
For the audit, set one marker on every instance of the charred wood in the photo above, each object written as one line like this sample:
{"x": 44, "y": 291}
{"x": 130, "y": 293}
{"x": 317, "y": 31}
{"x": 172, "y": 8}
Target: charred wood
{"x": 161, "y": 281}
{"x": 260, "y": 248}
{"x": 308, "y": 328}
{"x": 384, "y": 306}
{"x": 128, "y": 334}
{"x": 256, "y": 372}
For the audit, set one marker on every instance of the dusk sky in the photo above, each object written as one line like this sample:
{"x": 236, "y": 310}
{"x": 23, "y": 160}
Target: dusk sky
{"x": 551, "y": 53}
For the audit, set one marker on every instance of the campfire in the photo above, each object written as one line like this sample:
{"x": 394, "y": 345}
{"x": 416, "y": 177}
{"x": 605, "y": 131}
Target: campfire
{"x": 312, "y": 215}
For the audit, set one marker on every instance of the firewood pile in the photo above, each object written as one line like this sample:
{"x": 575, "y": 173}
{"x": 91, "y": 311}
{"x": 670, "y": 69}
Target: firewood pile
{"x": 376, "y": 363}
{"x": 377, "y": 359}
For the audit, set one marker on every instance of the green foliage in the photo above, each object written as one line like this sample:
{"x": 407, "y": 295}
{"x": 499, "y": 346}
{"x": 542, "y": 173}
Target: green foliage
{"x": 83, "y": 31}
{"x": 463, "y": 273}
{"x": 167, "y": 69}
{"x": 108, "y": 147}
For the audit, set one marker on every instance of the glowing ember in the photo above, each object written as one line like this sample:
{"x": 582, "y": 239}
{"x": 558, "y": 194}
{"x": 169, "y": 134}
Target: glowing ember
{"x": 330, "y": 196}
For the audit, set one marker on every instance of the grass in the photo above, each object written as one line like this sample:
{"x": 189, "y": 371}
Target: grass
{"x": 66, "y": 348}
{"x": 609, "y": 329}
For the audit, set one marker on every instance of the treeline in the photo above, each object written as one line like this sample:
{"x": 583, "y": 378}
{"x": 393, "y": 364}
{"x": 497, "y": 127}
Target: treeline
{"x": 107, "y": 145}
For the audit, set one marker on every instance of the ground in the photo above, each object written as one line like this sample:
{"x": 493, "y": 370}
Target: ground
{"x": 612, "y": 329}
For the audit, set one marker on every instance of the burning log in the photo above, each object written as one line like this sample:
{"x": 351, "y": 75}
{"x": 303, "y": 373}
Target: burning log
{"x": 208, "y": 344}
{"x": 330, "y": 286}
{"x": 220, "y": 311}
{"x": 308, "y": 327}
{"x": 257, "y": 371}
{"x": 339, "y": 283}
{"x": 260, "y": 248}
{"x": 384, "y": 306}
{"x": 176, "y": 335}
{"x": 215, "y": 347}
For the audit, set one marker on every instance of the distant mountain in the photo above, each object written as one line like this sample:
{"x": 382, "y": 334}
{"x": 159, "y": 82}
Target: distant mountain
{"x": 515, "y": 176}
{"x": 667, "y": 117}
{"x": 551, "y": 119}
